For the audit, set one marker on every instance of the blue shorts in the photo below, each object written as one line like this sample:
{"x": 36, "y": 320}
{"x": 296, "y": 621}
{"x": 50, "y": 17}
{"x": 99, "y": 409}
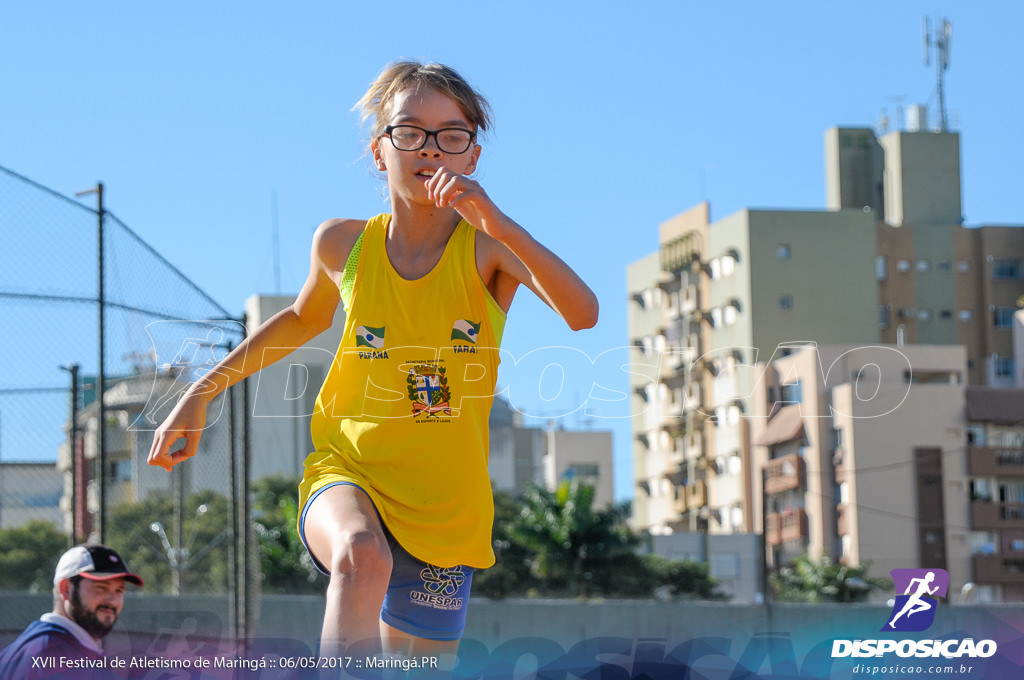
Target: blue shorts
{"x": 422, "y": 600}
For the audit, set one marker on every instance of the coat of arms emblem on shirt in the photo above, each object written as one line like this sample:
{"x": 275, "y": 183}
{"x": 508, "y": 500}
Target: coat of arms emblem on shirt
{"x": 428, "y": 391}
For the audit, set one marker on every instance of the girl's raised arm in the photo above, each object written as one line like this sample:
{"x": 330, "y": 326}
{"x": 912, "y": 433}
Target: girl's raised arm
{"x": 291, "y": 328}
{"x": 512, "y": 256}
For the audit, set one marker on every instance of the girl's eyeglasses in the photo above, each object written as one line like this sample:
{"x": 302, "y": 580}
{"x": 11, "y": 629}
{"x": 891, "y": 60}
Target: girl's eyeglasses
{"x": 413, "y": 138}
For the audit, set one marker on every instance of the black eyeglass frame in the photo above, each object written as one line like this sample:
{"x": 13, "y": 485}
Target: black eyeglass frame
{"x": 427, "y": 134}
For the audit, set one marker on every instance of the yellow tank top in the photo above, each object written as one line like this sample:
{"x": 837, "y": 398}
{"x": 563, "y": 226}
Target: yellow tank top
{"x": 403, "y": 412}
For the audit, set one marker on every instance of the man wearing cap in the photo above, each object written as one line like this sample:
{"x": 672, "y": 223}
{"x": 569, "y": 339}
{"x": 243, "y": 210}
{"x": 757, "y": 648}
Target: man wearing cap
{"x": 88, "y": 592}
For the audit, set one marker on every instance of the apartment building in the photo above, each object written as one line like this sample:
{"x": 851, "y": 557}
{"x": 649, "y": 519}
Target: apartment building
{"x": 939, "y": 281}
{"x": 995, "y": 464}
{"x": 716, "y": 299}
{"x": 860, "y": 458}
{"x": 888, "y": 261}
{"x": 521, "y": 455}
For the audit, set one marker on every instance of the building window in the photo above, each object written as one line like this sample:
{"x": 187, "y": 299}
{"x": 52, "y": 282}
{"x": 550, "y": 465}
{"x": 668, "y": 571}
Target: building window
{"x": 924, "y": 314}
{"x": 1003, "y": 367}
{"x": 923, "y": 265}
{"x": 903, "y": 266}
{"x": 582, "y": 471}
{"x": 786, "y": 302}
{"x": 946, "y": 314}
{"x": 121, "y": 470}
{"x": 732, "y": 415}
{"x": 1006, "y": 268}
{"x": 729, "y": 315}
{"x": 907, "y": 313}
{"x": 963, "y": 266}
{"x": 880, "y": 267}
{"x": 783, "y": 251}
{"x": 1003, "y": 317}
{"x": 944, "y": 266}
{"x": 984, "y": 542}
{"x": 975, "y": 435}
{"x": 981, "y": 491}
{"x": 965, "y": 315}
{"x": 791, "y": 393}
{"x": 728, "y": 265}
{"x": 883, "y": 316}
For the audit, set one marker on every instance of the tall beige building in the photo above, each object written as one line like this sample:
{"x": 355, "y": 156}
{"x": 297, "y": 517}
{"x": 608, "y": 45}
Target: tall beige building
{"x": 716, "y": 299}
{"x": 888, "y": 261}
{"x": 860, "y": 454}
{"x": 939, "y": 282}
{"x": 881, "y": 454}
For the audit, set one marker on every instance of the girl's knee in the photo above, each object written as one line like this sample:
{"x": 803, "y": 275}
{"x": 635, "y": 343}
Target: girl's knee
{"x": 363, "y": 551}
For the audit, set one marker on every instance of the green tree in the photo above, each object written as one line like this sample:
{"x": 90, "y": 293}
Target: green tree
{"x": 571, "y": 543}
{"x": 805, "y": 580}
{"x": 684, "y": 578}
{"x": 29, "y": 556}
{"x": 205, "y": 541}
{"x": 284, "y": 563}
{"x": 510, "y": 574}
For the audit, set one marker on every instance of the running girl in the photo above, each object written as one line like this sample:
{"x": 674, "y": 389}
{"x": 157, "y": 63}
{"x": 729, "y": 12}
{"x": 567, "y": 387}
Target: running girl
{"x": 396, "y": 498}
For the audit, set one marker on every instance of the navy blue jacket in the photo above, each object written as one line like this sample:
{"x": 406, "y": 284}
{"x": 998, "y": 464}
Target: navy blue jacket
{"x": 38, "y": 653}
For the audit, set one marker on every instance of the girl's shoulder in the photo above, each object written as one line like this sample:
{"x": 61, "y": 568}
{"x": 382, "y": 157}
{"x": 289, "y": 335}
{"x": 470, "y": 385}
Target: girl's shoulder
{"x": 334, "y": 239}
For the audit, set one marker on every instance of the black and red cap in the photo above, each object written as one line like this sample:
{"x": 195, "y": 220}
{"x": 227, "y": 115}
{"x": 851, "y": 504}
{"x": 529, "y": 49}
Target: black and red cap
{"x": 94, "y": 562}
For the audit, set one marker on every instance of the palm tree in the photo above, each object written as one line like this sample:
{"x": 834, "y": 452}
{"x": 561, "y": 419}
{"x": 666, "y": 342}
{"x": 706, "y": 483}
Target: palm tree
{"x": 570, "y": 541}
{"x": 805, "y": 580}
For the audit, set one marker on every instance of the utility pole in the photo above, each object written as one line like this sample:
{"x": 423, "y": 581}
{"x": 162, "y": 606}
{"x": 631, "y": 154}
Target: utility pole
{"x": 101, "y": 429}
{"x": 72, "y": 368}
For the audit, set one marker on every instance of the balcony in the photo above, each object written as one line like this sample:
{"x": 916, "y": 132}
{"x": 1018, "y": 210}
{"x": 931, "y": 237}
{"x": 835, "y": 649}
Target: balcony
{"x": 988, "y": 515}
{"x": 790, "y": 525}
{"x": 693, "y": 445}
{"x": 838, "y": 459}
{"x": 696, "y": 495}
{"x": 785, "y": 473}
{"x": 987, "y": 461}
{"x": 794, "y": 525}
{"x": 999, "y": 569}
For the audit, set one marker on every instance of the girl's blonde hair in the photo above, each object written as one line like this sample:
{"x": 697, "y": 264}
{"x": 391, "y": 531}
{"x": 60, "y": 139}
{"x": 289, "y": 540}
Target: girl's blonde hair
{"x": 379, "y": 100}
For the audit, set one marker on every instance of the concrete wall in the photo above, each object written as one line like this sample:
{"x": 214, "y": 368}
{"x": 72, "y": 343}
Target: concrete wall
{"x": 165, "y": 626}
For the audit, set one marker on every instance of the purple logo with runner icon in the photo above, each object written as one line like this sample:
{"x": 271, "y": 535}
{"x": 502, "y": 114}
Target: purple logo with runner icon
{"x": 914, "y": 610}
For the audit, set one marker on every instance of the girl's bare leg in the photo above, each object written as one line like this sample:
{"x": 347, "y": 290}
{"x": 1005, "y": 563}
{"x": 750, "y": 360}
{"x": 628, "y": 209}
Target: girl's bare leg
{"x": 412, "y": 647}
{"x": 345, "y": 535}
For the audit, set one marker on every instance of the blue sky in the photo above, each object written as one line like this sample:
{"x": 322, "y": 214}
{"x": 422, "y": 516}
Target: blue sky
{"x": 609, "y": 120}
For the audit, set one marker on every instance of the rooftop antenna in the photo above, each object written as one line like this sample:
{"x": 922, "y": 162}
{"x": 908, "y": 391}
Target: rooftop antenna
{"x": 942, "y": 40}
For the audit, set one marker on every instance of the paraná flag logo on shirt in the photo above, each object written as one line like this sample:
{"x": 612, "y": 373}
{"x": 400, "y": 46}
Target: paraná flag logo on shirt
{"x": 465, "y": 330}
{"x": 368, "y": 336}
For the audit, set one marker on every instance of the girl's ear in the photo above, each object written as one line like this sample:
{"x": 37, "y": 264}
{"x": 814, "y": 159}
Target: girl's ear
{"x": 378, "y": 157}
{"x": 474, "y": 156}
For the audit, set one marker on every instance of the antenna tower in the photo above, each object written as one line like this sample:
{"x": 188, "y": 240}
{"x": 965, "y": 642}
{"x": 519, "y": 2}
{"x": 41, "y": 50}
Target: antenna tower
{"x": 942, "y": 39}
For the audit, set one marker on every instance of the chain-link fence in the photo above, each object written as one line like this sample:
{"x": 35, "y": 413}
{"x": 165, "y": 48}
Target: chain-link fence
{"x": 62, "y": 473}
